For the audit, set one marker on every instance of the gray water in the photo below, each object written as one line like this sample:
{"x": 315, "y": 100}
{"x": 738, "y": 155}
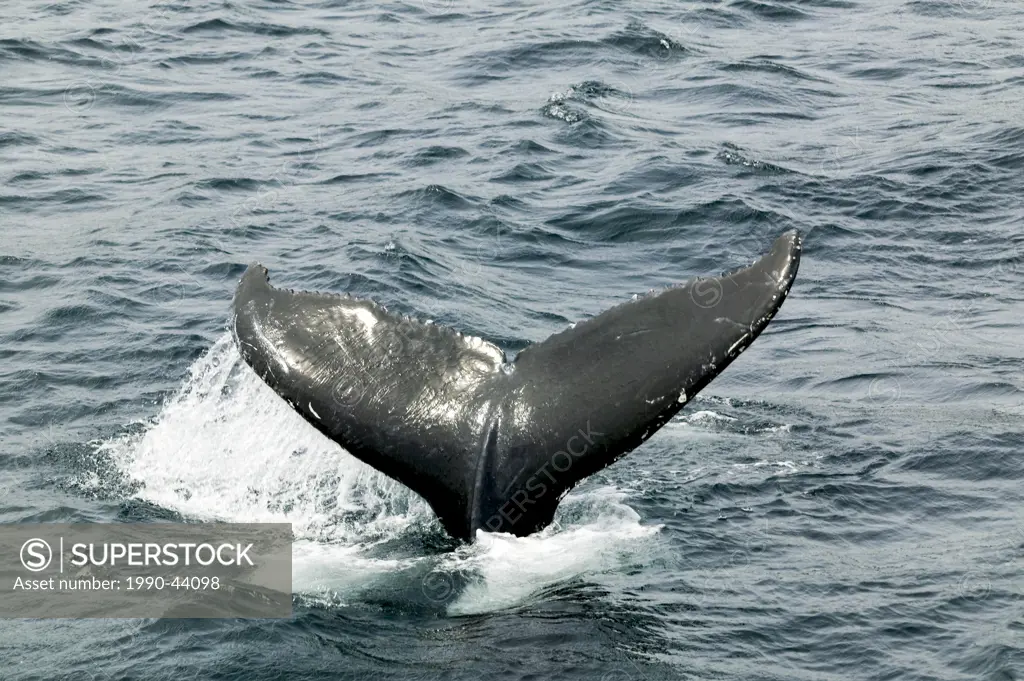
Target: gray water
{"x": 844, "y": 502}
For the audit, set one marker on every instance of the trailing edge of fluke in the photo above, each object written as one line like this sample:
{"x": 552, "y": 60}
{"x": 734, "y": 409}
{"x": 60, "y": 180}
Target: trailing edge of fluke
{"x": 490, "y": 444}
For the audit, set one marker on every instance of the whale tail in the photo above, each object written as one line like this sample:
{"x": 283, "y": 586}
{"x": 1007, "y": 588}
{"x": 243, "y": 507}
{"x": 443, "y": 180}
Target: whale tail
{"x": 490, "y": 444}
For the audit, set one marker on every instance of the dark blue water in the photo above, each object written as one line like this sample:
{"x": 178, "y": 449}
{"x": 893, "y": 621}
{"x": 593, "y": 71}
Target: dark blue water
{"x": 844, "y": 502}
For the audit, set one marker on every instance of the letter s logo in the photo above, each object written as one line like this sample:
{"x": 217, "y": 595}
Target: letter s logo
{"x": 36, "y": 555}
{"x": 706, "y": 292}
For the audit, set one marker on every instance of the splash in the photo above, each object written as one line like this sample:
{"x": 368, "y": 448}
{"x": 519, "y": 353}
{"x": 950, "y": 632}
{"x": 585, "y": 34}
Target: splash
{"x": 605, "y": 537}
{"x": 226, "y": 448}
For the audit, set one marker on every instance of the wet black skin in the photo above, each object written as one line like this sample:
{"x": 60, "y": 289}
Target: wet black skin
{"x": 494, "y": 445}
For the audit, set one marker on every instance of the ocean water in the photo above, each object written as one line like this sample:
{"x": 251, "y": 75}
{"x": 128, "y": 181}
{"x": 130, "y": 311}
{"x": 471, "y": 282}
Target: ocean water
{"x": 844, "y": 502}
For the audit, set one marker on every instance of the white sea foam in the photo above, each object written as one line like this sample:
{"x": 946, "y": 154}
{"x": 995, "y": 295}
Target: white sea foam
{"x": 510, "y": 569}
{"x": 226, "y": 448}
{"x": 706, "y": 415}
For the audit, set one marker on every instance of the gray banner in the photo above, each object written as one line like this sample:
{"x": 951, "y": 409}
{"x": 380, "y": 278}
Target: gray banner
{"x": 146, "y": 570}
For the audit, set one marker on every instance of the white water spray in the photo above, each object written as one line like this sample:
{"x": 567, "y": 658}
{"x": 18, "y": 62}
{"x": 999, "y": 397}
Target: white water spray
{"x": 225, "y": 447}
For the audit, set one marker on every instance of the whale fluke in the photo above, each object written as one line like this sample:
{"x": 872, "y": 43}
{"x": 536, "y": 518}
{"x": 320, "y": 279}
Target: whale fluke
{"x": 490, "y": 444}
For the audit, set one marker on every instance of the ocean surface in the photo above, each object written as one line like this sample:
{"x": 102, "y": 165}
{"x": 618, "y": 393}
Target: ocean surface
{"x": 844, "y": 502}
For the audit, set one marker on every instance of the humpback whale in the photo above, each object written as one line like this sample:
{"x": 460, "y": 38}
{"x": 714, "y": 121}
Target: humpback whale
{"x": 493, "y": 444}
